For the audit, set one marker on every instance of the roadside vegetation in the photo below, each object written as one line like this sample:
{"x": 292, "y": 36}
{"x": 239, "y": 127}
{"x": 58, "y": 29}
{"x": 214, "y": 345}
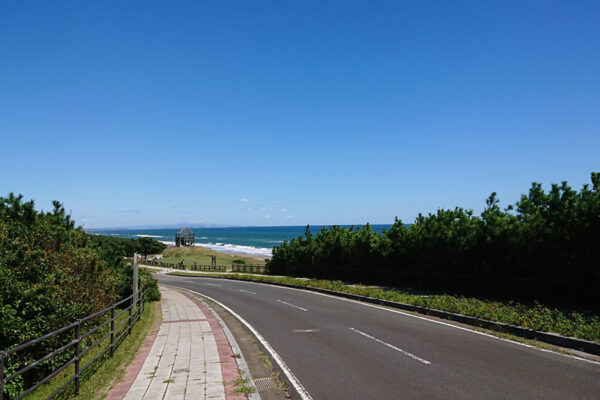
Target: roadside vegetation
{"x": 51, "y": 274}
{"x": 104, "y": 375}
{"x": 543, "y": 248}
{"x": 128, "y": 247}
{"x": 202, "y": 256}
{"x": 583, "y": 325}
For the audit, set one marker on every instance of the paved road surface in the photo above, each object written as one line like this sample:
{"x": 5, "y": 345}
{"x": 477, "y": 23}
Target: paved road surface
{"x": 347, "y": 350}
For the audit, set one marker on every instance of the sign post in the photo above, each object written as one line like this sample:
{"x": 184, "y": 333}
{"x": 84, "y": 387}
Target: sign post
{"x": 134, "y": 282}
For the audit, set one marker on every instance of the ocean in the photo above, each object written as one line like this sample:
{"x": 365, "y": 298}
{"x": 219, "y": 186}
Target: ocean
{"x": 255, "y": 241}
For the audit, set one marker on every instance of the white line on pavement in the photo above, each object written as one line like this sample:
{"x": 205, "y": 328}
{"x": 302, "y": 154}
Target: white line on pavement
{"x": 292, "y": 305}
{"x": 306, "y": 330}
{"x": 406, "y": 313}
{"x": 212, "y": 284}
{"x": 246, "y": 291}
{"x": 286, "y": 370}
{"x": 391, "y": 346}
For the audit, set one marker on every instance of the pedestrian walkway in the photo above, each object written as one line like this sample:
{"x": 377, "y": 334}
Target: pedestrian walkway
{"x": 189, "y": 359}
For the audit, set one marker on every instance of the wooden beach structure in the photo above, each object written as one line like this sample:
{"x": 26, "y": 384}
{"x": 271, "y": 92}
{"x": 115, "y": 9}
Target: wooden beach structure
{"x": 184, "y": 237}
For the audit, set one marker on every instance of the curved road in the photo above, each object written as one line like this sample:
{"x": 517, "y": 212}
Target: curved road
{"x": 340, "y": 349}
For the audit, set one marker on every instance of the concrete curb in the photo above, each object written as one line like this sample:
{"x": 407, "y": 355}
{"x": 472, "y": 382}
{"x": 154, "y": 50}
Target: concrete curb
{"x": 547, "y": 337}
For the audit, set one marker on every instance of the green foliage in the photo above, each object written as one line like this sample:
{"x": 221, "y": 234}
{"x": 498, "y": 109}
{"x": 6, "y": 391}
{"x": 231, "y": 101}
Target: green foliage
{"x": 128, "y": 247}
{"x": 535, "y": 316}
{"x": 544, "y": 247}
{"x": 239, "y": 261}
{"x": 149, "y": 284}
{"x": 51, "y": 274}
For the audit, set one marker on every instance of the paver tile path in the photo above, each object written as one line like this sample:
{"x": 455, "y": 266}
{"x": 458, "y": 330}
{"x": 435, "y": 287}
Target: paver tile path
{"x": 183, "y": 362}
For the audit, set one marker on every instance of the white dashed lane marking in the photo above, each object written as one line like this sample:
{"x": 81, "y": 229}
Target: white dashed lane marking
{"x": 292, "y": 305}
{"x": 391, "y": 346}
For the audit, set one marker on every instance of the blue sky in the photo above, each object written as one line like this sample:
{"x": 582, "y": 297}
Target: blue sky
{"x": 289, "y": 113}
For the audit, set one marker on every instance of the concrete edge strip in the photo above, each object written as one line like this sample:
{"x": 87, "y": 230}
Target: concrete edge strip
{"x": 241, "y": 361}
{"x": 119, "y": 391}
{"x": 302, "y": 392}
{"x": 551, "y": 338}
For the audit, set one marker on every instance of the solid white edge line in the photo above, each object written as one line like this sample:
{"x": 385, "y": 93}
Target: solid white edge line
{"x": 292, "y": 305}
{"x": 288, "y": 372}
{"x": 391, "y": 346}
{"x": 429, "y": 320}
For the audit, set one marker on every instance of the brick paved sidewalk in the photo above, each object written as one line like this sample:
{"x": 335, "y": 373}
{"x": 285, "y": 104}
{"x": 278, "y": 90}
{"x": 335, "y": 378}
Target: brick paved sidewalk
{"x": 189, "y": 359}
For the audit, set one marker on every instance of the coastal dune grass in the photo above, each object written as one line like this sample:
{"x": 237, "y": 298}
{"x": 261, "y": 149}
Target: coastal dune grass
{"x": 578, "y": 324}
{"x": 106, "y": 372}
{"x": 202, "y": 256}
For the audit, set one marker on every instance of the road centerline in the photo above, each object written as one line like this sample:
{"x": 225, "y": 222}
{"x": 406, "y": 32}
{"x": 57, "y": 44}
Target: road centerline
{"x": 247, "y": 291}
{"x": 391, "y": 346}
{"x": 292, "y": 305}
{"x": 213, "y": 284}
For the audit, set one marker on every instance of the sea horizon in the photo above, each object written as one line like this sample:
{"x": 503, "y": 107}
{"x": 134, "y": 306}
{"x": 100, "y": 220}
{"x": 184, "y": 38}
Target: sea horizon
{"x": 257, "y": 241}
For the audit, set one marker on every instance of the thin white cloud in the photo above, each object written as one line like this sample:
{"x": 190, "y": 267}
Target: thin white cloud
{"x": 289, "y": 216}
{"x": 274, "y": 202}
{"x": 267, "y": 216}
{"x": 244, "y": 200}
{"x": 284, "y": 210}
{"x": 264, "y": 208}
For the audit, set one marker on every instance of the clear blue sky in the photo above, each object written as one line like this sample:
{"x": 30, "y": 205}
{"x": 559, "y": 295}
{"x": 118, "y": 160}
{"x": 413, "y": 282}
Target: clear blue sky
{"x": 288, "y": 113}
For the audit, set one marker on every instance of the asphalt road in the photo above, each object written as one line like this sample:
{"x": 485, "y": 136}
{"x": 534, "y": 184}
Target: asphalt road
{"x": 340, "y": 349}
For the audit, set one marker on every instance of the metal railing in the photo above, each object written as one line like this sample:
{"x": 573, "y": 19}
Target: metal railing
{"x": 113, "y": 314}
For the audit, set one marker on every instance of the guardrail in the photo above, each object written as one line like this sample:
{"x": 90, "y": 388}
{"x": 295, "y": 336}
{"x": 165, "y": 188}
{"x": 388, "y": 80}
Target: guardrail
{"x": 116, "y": 334}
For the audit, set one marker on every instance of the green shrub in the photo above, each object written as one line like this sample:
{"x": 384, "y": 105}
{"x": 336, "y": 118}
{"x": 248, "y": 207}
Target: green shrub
{"x": 51, "y": 274}
{"x": 545, "y": 248}
{"x": 149, "y": 284}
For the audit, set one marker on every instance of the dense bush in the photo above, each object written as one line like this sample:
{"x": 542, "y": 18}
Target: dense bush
{"x": 545, "y": 247}
{"x": 52, "y": 273}
{"x": 149, "y": 285}
{"x": 128, "y": 247}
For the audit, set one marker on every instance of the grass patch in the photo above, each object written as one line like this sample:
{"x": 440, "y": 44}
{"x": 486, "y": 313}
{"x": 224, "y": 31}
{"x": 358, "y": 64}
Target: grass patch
{"x": 241, "y": 386}
{"x": 108, "y": 372}
{"x": 582, "y": 325}
{"x": 202, "y": 256}
{"x": 266, "y": 360}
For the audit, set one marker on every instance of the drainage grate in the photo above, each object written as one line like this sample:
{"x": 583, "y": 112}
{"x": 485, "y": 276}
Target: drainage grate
{"x": 265, "y": 384}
